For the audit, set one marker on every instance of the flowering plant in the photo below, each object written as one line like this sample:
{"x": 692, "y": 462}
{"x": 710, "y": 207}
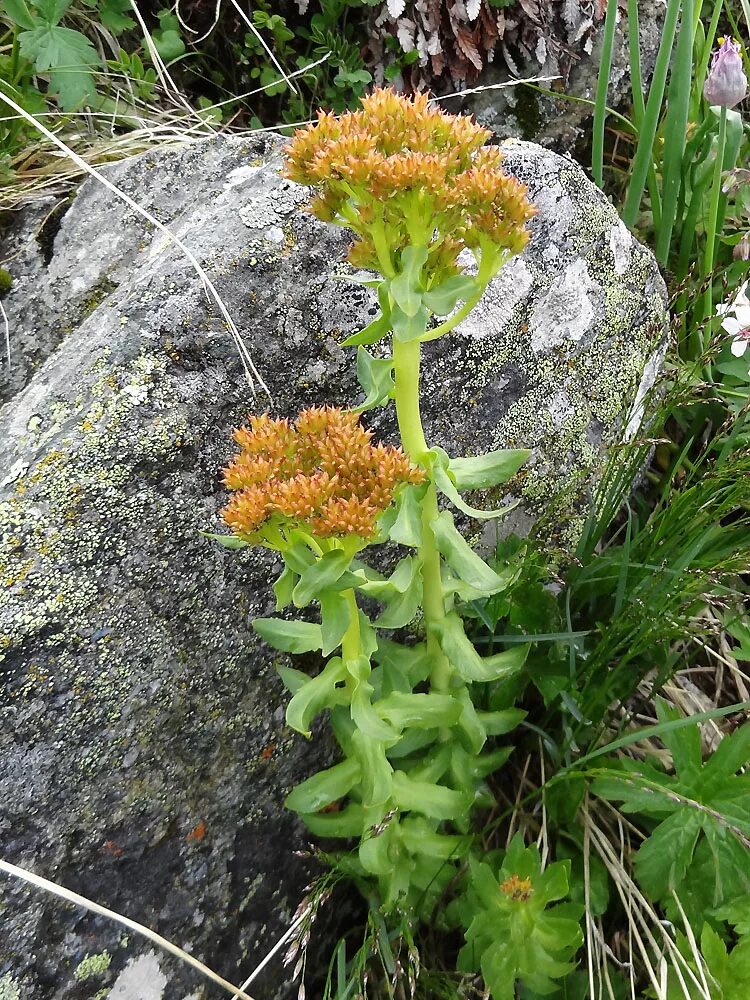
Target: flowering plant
{"x": 736, "y": 321}
{"x": 415, "y": 720}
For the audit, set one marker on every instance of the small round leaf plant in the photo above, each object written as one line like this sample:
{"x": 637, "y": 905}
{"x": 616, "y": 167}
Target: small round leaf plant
{"x": 414, "y": 719}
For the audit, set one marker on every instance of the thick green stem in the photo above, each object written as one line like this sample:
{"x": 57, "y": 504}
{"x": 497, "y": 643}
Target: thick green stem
{"x": 406, "y": 358}
{"x": 350, "y": 644}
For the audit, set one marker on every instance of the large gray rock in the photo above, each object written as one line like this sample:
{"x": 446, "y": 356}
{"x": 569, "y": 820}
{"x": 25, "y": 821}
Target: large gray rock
{"x": 143, "y": 753}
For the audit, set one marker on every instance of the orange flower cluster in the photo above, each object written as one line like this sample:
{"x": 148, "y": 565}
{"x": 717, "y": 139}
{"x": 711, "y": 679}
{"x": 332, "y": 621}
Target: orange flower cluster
{"x": 398, "y": 160}
{"x": 517, "y": 888}
{"x": 322, "y": 473}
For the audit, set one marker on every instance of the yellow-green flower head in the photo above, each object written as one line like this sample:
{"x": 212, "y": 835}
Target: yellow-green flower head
{"x": 403, "y": 171}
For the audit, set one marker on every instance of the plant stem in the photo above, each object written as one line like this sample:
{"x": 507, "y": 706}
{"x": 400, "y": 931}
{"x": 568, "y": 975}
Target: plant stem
{"x": 406, "y": 358}
{"x": 713, "y": 213}
{"x": 350, "y": 644}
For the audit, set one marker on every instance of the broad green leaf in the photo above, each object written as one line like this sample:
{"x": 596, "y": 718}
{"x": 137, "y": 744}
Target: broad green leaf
{"x": 283, "y": 588}
{"x": 402, "y": 607}
{"x": 443, "y": 298}
{"x": 293, "y": 680}
{"x": 475, "y": 735}
{"x": 290, "y": 637}
{"x": 167, "y": 38}
{"x": 487, "y": 470}
{"x": 506, "y": 664}
{"x": 364, "y": 714}
{"x": 663, "y": 859}
{"x": 377, "y": 773}
{"x": 500, "y": 723}
{"x": 320, "y": 576}
{"x": 51, "y": 11}
{"x": 429, "y": 799}
{"x": 732, "y": 753}
{"x": 371, "y": 334}
{"x": 459, "y": 555}
{"x": 458, "y": 648}
{"x": 298, "y": 556}
{"x": 376, "y": 378}
{"x": 418, "y": 837}
{"x": 68, "y": 56}
{"x": 407, "y": 527}
{"x": 335, "y": 616}
{"x": 114, "y": 15}
{"x": 350, "y": 822}
{"x": 375, "y": 851}
{"x": 403, "y": 663}
{"x": 443, "y": 481}
{"x": 397, "y": 583}
{"x": 683, "y": 744}
{"x": 226, "y": 541}
{"x": 406, "y": 328}
{"x": 324, "y": 788}
{"x": 405, "y": 288}
{"x": 19, "y": 13}
{"x": 320, "y": 692}
{"x": 422, "y": 711}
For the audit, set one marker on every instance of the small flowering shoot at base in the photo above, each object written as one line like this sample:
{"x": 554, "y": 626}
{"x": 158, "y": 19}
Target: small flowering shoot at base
{"x": 416, "y": 719}
{"x": 513, "y": 931}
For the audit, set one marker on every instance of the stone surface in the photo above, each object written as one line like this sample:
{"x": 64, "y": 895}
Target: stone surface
{"x": 143, "y": 753}
{"x": 569, "y": 61}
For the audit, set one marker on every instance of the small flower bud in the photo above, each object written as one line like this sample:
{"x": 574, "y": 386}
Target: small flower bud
{"x": 726, "y": 83}
{"x": 742, "y": 249}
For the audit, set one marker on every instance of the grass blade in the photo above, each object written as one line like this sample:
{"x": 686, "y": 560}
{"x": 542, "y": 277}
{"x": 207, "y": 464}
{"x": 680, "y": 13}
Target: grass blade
{"x": 675, "y": 130}
{"x": 602, "y": 85}
{"x": 644, "y": 152}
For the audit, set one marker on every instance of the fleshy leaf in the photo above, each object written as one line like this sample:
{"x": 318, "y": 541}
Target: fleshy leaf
{"x": 460, "y": 556}
{"x": 325, "y": 572}
{"x": 371, "y": 334}
{"x": 487, "y": 470}
{"x": 226, "y": 541}
{"x": 289, "y": 637}
{"x": 375, "y": 377}
{"x": 422, "y": 711}
{"x": 324, "y": 787}
{"x": 335, "y": 616}
{"x": 443, "y": 298}
{"x": 430, "y": 799}
{"x": 440, "y": 474}
{"x": 320, "y": 692}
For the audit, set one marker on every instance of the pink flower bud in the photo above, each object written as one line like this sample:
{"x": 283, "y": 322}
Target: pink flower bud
{"x": 726, "y": 83}
{"x": 742, "y": 249}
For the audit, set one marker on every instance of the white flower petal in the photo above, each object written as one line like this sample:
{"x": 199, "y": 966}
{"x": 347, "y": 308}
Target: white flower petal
{"x": 738, "y": 347}
{"x": 731, "y": 326}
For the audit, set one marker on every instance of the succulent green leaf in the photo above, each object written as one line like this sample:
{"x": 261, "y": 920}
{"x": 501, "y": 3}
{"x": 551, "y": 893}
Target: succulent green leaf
{"x": 488, "y": 470}
{"x": 376, "y": 378}
{"x": 441, "y": 475}
{"x": 324, "y": 787}
{"x": 290, "y": 637}
{"x": 375, "y": 851}
{"x": 405, "y": 289}
{"x": 226, "y": 541}
{"x": 443, "y": 298}
{"x": 323, "y": 573}
{"x": 406, "y": 527}
{"x": 371, "y": 334}
{"x": 406, "y": 328}
{"x": 460, "y": 556}
{"x": 283, "y": 588}
{"x": 430, "y": 799}
{"x": 377, "y": 773}
{"x": 422, "y": 711}
{"x": 320, "y": 692}
{"x": 335, "y": 616}
{"x": 364, "y": 714}
{"x": 350, "y": 822}
{"x": 402, "y": 607}
{"x": 292, "y": 679}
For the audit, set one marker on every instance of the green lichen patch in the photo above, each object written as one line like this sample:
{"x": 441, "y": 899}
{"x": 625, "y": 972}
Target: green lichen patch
{"x": 9, "y": 989}
{"x": 93, "y": 965}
